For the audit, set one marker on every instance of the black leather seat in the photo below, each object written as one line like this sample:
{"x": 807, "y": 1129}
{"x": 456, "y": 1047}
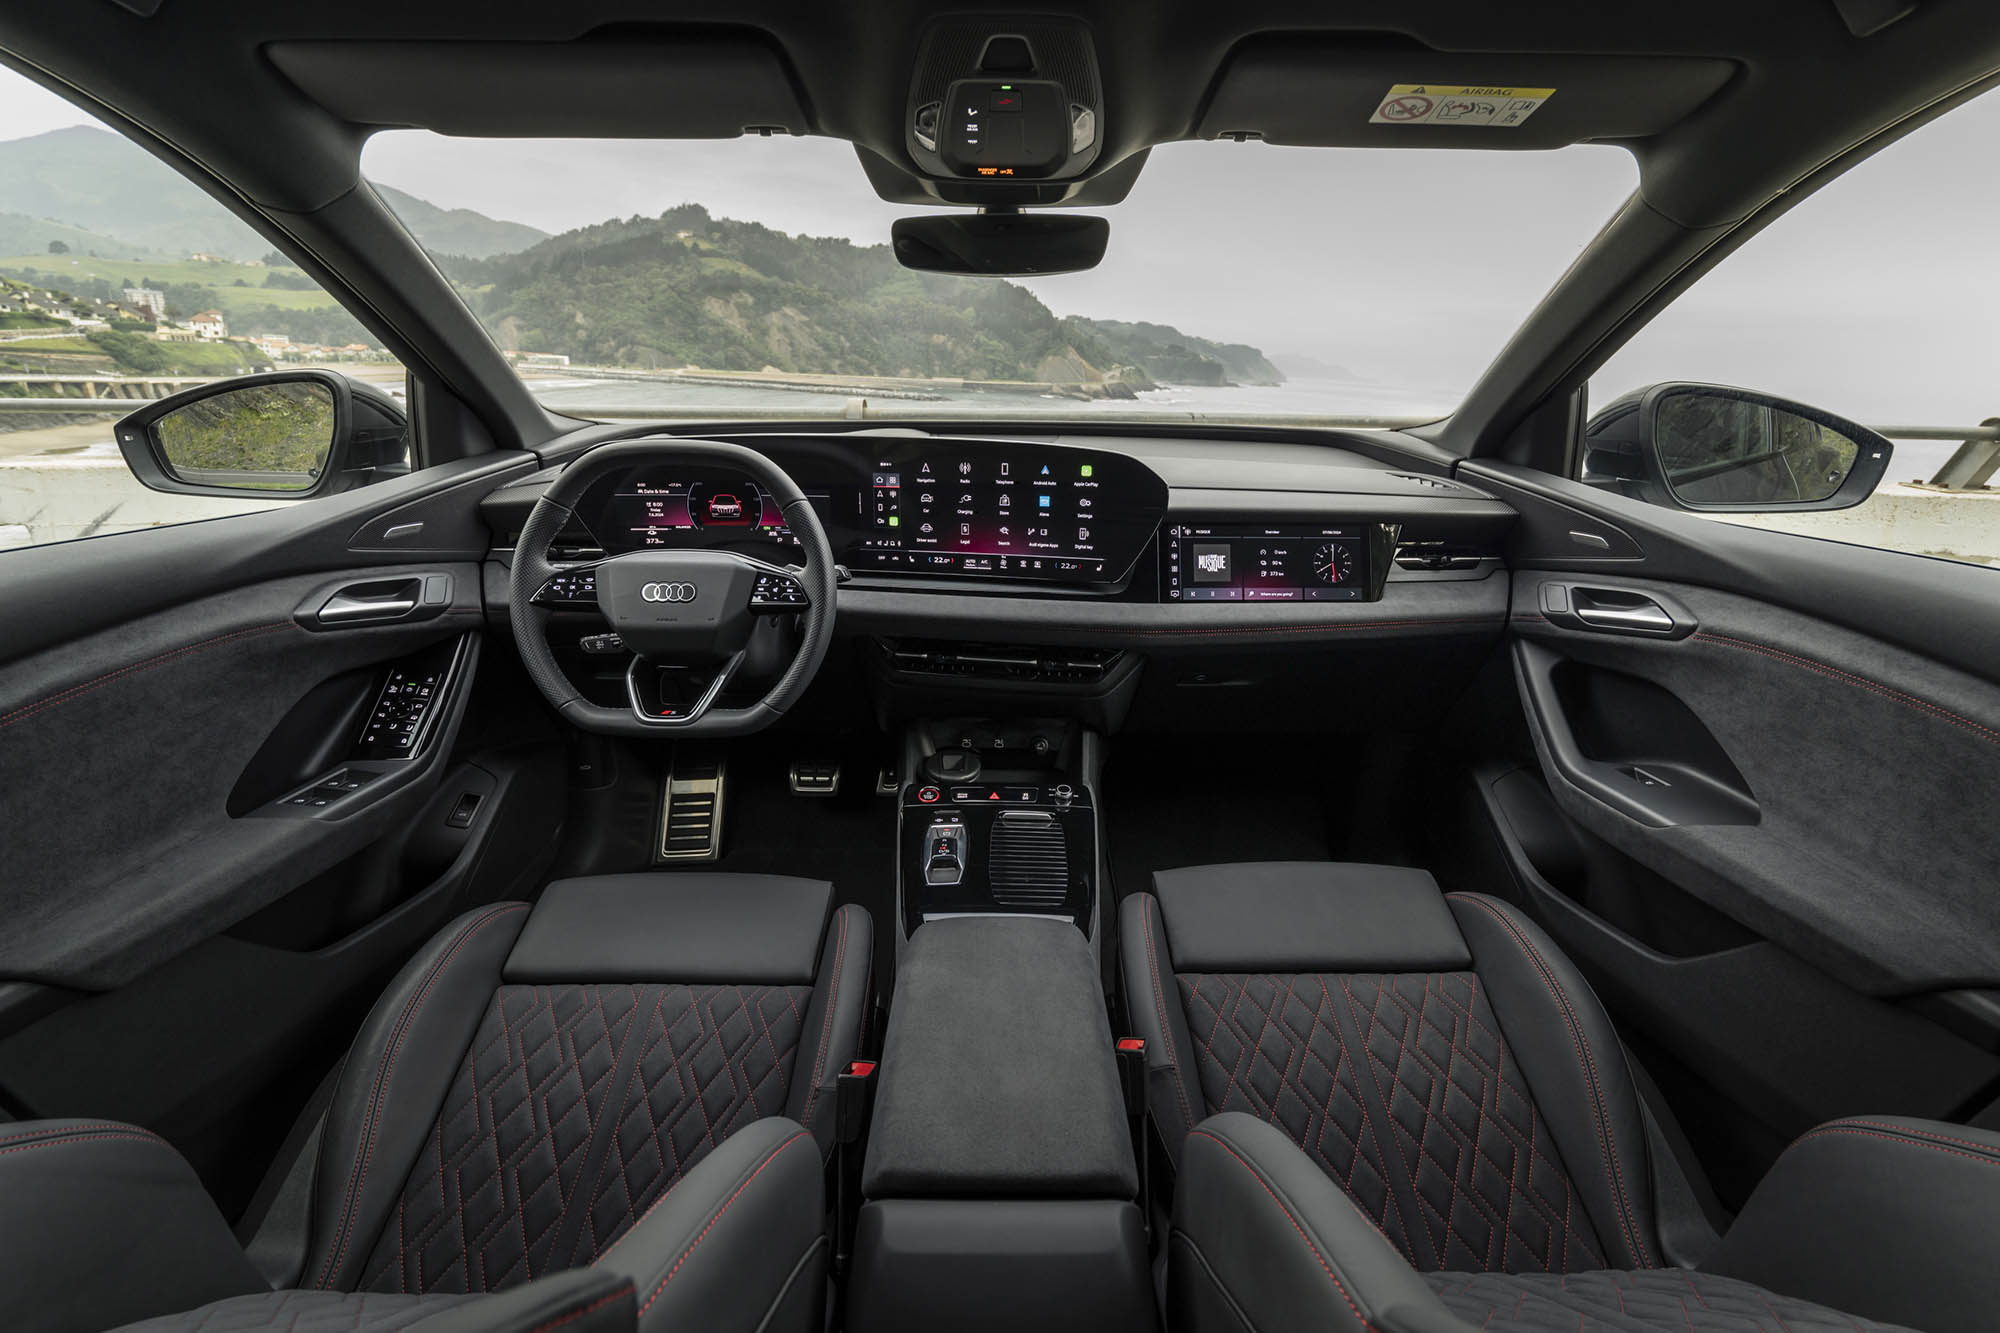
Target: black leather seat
{"x": 610, "y": 1110}
{"x": 1393, "y": 1110}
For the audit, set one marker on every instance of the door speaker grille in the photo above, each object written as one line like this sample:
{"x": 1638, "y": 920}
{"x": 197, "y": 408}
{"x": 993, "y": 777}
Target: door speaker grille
{"x": 1029, "y": 861}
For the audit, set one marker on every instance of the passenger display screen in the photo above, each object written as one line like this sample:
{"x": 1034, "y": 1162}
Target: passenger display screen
{"x": 1249, "y": 562}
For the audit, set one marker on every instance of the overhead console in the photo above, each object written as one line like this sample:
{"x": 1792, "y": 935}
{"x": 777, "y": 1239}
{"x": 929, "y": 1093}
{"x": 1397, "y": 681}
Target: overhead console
{"x": 1001, "y": 100}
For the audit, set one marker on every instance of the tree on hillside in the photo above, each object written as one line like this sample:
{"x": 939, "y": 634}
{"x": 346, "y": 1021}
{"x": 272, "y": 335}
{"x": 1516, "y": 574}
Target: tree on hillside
{"x": 58, "y": 248}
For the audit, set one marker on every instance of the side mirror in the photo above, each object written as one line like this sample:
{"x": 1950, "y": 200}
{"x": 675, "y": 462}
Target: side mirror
{"x": 1708, "y": 447}
{"x": 289, "y": 434}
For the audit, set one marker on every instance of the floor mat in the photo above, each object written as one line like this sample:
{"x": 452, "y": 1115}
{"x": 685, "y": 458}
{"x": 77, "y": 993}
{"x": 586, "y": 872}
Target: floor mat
{"x": 1244, "y": 805}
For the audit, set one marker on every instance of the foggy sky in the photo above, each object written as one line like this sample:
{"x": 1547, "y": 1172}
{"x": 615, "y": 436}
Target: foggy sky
{"x": 1878, "y": 298}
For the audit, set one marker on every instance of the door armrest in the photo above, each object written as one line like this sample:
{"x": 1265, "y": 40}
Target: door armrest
{"x": 107, "y": 1224}
{"x": 1884, "y": 1216}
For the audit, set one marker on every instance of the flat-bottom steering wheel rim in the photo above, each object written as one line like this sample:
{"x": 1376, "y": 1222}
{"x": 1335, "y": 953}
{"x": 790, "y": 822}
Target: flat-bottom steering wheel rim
{"x": 532, "y": 569}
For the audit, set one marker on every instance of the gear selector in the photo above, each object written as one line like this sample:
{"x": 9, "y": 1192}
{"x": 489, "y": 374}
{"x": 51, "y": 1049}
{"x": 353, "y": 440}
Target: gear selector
{"x": 944, "y": 861}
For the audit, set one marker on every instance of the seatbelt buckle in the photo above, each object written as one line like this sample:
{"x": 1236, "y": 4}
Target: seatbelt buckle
{"x": 1132, "y": 1074}
{"x": 854, "y": 1098}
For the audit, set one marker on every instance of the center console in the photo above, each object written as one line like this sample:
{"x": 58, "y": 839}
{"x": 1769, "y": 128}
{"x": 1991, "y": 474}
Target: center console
{"x": 998, "y": 819}
{"x": 999, "y": 1188}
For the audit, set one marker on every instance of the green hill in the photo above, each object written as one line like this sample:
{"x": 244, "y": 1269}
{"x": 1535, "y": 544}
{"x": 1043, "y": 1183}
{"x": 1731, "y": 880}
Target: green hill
{"x": 1173, "y": 357}
{"x": 686, "y": 288}
{"x": 457, "y": 231}
{"x": 95, "y": 190}
{"x": 21, "y": 234}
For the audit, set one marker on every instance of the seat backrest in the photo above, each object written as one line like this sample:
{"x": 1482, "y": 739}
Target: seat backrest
{"x": 1438, "y": 1058}
{"x": 533, "y": 1082}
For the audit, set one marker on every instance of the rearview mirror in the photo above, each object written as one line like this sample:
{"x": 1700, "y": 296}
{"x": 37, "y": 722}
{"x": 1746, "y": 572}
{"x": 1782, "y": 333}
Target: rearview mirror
{"x": 1710, "y": 447}
{"x": 285, "y": 435}
{"x": 1000, "y": 244}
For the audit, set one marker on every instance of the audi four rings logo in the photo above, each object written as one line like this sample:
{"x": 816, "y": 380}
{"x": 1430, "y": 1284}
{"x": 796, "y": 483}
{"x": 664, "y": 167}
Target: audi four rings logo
{"x": 668, "y": 592}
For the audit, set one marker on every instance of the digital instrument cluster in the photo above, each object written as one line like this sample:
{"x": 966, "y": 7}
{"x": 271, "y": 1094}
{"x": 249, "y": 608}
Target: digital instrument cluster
{"x": 1250, "y": 562}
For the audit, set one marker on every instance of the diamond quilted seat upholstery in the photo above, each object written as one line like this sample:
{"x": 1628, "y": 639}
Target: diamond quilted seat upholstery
{"x": 609, "y": 1111}
{"x": 1635, "y": 1303}
{"x": 1395, "y": 1111}
{"x": 666, "y": 1073}
{"x": 1439, "y": 1087}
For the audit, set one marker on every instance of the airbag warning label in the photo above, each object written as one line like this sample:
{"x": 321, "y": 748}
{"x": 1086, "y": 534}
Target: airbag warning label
{"x": 1449, "y": 104}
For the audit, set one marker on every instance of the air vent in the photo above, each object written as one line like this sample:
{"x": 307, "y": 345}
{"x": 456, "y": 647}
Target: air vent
{"x": 1433, "y": 483}
{"x": 996, "y": 661}
{"x": 1029, "y": 861}
{"x": 1438, "y": 555}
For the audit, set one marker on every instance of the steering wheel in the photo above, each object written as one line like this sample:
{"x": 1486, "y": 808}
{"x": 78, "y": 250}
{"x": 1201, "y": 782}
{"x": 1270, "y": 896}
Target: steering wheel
{"x": 693, "y": 609}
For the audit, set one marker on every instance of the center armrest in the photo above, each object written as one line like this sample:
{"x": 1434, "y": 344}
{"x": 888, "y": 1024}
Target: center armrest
{"x": 999, "y": 1076}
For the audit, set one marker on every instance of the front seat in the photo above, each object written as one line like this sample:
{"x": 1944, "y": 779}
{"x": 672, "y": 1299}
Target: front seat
{"x": 610, "y": 1110}
{"x": 1397, "y": 1111}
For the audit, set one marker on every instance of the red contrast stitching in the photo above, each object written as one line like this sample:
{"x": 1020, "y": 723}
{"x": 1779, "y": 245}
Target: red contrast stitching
{"x": 58, "y": 1140}
{"x": 358, "y": 1176}
{"x": 717, "y": 1218}
{"x": 1859, "y": 682}
{"x": 1160, "y": 1007}
{"x": 93, "y": 1126}
{"x": 1898, "y": 1133}
{"x": 590, "y": 1309}
{"x": 27, "y": 711}
{"x": 1293, "y": 1219}
{"x": 826, "y": 1028}
{"x": 1607, "y": 1146}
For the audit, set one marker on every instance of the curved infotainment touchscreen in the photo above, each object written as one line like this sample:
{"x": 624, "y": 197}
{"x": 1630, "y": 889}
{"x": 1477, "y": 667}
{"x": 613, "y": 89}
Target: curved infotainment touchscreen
{"x": 1071, "y": 514}
{"x": 933, "y": 507}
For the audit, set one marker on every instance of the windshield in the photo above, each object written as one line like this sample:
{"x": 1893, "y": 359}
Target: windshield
{"x": 751, "y": 277}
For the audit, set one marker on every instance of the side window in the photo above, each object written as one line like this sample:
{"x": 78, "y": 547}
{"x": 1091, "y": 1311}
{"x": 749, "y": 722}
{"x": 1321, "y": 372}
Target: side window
{"x": 123, "y": 284}
{"x": 1874, "y": 303}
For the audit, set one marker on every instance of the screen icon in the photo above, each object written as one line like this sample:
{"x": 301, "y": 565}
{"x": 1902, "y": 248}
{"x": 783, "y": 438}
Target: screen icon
{"x": 1044, "y": 501}
{"x": 1086, "y": 469}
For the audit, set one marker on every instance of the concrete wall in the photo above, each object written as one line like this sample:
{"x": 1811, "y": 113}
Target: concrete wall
{"x": 1963, "y": 525}
{"x": 57, "y": 499}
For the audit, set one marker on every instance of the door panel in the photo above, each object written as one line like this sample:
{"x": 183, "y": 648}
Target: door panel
{"x": 1811, "y": 777}
{"x": 1759, "y": 818}
{"x": 121, "y": 752}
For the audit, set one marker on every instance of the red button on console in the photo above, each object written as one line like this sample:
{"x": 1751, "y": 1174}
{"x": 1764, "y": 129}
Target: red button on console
{"x": 928, "y": 795}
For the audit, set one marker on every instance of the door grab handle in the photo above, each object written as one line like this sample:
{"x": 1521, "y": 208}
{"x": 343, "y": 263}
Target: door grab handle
{"x": 344, "y": 607}
{"x": 1647, "y": 617}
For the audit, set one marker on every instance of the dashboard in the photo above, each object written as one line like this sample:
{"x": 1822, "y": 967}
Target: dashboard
{"x": 1032, "y": 535}
{"x": 953, "y": 509}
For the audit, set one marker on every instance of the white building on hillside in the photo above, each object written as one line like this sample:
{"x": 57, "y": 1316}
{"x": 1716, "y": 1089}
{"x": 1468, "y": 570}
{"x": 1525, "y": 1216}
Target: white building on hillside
{"x": 149, "y": 299}
{"x": 209, "y": 324}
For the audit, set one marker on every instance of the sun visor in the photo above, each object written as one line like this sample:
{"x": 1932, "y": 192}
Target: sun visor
{"x": 1326, "y": 93}
{"x": 707, "y": 86}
